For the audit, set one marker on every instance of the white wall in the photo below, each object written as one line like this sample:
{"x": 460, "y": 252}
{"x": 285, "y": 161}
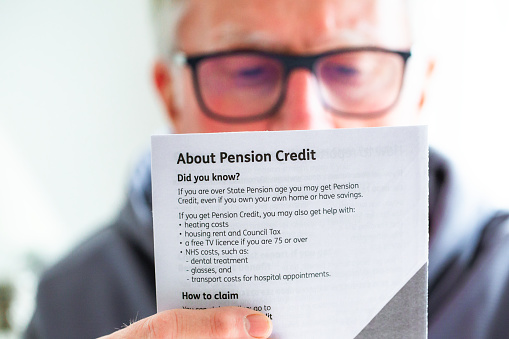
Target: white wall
{"x": 468, "y": 109}
{"x": 77, "y": 108}
{"x": 76, "y": 102}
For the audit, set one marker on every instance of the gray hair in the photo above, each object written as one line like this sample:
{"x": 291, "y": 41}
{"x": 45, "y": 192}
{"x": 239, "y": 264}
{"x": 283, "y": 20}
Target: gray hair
{"x": 166, "y": 15}
{"x": 419, "y": 13}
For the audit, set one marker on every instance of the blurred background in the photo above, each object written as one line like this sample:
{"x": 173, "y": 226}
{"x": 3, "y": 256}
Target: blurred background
{"x": 77, "y": 109}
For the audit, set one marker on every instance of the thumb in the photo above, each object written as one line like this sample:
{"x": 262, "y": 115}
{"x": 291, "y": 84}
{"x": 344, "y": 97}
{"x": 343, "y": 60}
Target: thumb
{"x": 216, "y": 323}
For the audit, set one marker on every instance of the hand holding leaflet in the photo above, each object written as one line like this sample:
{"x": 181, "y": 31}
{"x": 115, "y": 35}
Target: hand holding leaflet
{"x": 328, "y": 226}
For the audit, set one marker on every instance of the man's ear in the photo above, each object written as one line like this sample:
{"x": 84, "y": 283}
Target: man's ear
{"x": 163, "y": 82}
{"x": 430, "y": 71}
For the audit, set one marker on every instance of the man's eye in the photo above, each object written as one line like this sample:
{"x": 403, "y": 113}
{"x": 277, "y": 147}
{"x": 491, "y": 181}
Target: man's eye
{"x": 254, "y": 76}
{"x": 251, "y": 72}
{"x": 343, "y": 71}
{"x": 335, "y": 74}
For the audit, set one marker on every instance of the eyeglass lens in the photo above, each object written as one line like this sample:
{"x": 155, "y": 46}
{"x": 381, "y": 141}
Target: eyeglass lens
{"x": 244, "y": 84}
{"x": 360, "y": 82}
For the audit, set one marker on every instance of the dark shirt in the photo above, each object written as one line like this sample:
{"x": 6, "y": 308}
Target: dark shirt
{"x": 108, "y": 281}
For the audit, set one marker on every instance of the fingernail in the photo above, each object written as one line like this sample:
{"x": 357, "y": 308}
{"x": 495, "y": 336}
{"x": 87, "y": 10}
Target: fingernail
{"x": 257, "y": 325}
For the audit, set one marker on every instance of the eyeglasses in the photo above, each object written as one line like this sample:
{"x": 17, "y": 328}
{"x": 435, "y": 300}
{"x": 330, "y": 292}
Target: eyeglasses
{"x": 243, "y": 85}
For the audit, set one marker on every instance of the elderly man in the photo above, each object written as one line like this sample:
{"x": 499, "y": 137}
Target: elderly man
{"x": 246, "y": 65}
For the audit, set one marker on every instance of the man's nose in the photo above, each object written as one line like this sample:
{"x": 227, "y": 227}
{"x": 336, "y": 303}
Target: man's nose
{"x": 302, "y": 107}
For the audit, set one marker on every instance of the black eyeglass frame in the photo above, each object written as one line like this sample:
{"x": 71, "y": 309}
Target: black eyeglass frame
{"x": 290, "y": 62}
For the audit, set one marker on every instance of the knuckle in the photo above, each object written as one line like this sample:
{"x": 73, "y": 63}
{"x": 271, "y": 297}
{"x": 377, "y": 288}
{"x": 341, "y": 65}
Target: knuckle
{"x": 149, "y": 328}
{"x": 166, "y": 325}
{"x": 223, "y": 324}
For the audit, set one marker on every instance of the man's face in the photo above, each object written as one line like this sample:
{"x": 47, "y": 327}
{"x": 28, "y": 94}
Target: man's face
{"x": 294, "y": 27}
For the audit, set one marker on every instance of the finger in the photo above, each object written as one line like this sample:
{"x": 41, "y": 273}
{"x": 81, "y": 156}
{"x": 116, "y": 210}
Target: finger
{"x": 216, "y": 323}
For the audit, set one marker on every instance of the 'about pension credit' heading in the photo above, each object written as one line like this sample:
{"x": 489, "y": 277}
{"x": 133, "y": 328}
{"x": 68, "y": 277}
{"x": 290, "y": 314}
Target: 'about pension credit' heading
{"x": 224, "y": 157}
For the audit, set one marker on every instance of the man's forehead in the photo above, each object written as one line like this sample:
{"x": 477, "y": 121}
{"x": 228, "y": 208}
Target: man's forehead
{"x": 293, "y": 25}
